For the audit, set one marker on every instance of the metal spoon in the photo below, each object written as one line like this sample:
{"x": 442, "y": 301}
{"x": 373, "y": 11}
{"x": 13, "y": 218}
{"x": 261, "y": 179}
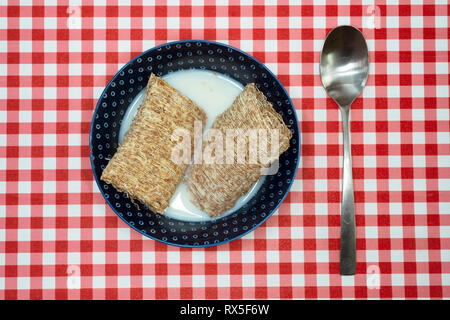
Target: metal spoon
{"x": 344, "y": 67}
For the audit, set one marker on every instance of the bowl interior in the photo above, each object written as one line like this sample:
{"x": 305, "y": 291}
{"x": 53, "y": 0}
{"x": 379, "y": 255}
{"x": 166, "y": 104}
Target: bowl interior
{"x": 124, "y": 87}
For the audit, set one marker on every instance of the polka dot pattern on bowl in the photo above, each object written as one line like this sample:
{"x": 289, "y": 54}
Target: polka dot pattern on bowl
{"x": 121, "y": 91}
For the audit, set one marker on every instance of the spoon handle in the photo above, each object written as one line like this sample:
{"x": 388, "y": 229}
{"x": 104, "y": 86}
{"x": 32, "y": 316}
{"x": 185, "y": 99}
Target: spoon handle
{"x": 348, "y": 228}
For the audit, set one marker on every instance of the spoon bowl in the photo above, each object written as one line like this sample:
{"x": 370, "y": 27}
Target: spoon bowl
{"x": 344, "y": 64}
{"x": 344, "y": 67}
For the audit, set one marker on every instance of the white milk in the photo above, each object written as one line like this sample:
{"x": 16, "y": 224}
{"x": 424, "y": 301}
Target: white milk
{"x": 214, "y": 93}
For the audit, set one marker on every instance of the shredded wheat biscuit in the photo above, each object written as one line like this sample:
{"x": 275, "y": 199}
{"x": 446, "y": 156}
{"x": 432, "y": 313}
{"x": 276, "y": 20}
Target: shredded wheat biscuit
{"x": 215, "y": 188}
{"x": 142, "y": 165}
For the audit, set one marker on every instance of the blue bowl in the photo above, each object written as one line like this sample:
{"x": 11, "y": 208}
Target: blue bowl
{"x": 130, "y": 80}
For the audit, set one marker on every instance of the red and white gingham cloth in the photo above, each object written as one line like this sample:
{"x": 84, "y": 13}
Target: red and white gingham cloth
{"x": 58, "y": 238}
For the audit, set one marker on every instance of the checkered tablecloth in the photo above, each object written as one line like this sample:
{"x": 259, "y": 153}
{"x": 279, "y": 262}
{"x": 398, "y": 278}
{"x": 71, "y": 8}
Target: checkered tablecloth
{"x": 59, "y": 239}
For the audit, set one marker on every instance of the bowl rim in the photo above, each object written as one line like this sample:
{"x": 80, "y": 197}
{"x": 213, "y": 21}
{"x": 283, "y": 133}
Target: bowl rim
{"x": 272, "y": 211}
